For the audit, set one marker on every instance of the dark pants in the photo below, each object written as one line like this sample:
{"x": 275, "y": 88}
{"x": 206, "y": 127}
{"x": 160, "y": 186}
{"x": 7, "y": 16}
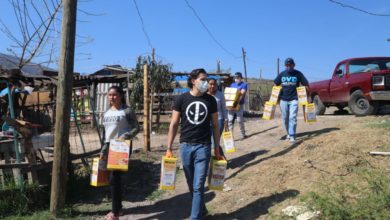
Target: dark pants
{"x": 116, "y": 191}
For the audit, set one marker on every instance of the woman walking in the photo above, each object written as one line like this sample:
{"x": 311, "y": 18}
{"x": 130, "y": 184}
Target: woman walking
{"x": 121, "y": 123}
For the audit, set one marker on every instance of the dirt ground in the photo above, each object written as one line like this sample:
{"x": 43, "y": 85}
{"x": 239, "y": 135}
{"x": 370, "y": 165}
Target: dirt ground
{"x": 267, "y": 173}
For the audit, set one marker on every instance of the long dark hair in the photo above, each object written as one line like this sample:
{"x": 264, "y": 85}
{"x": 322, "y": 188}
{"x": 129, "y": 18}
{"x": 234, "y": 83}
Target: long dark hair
{"x": 119, "y": 90}
{"x": 194, "y": 75}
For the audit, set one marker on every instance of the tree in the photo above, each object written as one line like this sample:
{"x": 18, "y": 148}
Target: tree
{"x": 36, "y": 32}
{"x": 160, "y": 79}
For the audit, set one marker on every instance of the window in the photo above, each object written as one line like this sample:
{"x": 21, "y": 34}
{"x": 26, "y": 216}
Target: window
{"x": 367, "y": 65}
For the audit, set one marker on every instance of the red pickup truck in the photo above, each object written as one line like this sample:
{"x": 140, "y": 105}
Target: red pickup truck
{"x": 362, "y": 84}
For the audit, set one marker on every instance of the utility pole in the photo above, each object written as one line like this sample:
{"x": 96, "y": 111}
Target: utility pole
{"x": 63, "y": 104}
{"x": 218, "y": 66}
{"x": 146, "y": 110}
{"x": 278, "y": 66}
{"x": 244, "y": 58}
{"x": 261, "y": 71}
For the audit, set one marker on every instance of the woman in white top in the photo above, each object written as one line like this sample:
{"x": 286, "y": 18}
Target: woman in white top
{"x": 221, "y": 105}
{"x": 119, "y": 122}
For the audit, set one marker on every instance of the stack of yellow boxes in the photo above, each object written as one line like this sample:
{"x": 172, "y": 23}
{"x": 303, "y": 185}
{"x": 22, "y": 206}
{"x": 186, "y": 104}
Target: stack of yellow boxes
{"x": 270, "y": 106}
{"x": 309, "y": 112}
{"x": 231, "y": 96}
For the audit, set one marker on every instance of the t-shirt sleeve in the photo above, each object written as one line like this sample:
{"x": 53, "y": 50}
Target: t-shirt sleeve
{"x": 177, "y": 104}
{"x": 304, "y": 80}
{"x": 277, "y": 80}
{"x": 245, "y": 87}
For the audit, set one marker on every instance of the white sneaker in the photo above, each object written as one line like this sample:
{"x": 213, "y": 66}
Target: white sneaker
{"x": 292, "y": 140}
{"x": 287, "y": 137}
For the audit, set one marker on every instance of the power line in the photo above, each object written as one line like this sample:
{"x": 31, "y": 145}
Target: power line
{"x": 142, "y": 24}
{"x": 358, "y": 9}
{"x": 209, "y": 32}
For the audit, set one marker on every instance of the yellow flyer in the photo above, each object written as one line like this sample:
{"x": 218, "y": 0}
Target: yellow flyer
{"x": 118, "y": 155}
{"x": 217, "y": 174}
{"x": 269, "y": 111}
{"x": 310, "y": 113}
{"x": 168, "y": 173}
{"x": 302, "y": 95}
{"x": 275, "y": 94}
{"x": 99, "y": 175}
{"x": 228, "y": 142}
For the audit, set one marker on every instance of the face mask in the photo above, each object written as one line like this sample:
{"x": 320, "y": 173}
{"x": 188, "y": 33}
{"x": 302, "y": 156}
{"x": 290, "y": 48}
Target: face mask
{"x": 237, "y": 80}
{"x": 290, "y": 69}
{"x": 202, "y": 86}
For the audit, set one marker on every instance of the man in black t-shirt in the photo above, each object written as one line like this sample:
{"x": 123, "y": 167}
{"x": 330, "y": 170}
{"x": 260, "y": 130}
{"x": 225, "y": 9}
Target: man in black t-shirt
{"x": 195, "y": 110}
{"x": 290, "y": 79}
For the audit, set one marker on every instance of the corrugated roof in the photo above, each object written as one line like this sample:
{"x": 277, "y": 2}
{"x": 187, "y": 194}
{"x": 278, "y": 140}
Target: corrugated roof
{"x": 9, "y": 62}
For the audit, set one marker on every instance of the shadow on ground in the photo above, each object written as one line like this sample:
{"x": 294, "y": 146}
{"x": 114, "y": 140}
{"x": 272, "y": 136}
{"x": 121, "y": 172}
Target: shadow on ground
{"x": 138, "y": 183}
{"x": 178, "y": 207}
{"x": 258, "y": 207}
{"x": 303, "y": 136}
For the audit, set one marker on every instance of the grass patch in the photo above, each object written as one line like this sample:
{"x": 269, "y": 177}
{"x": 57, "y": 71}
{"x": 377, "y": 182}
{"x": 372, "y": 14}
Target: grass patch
{"x": 155, "y": 195}
{"x": 368, "y": 198}
{"x": 13, "y": 201}
{"x": 383, "y": 124}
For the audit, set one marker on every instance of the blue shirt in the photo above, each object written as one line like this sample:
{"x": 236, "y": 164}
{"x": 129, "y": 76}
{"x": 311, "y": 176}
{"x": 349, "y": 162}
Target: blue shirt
{"x": 240, "y": 86}
{"x": 290, "y": 80}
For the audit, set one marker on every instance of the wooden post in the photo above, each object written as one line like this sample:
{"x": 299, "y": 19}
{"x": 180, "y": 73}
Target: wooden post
{"x": 146, "y": 110}
{"x": 247, "y": 105}
{"x": 64, "y": 96}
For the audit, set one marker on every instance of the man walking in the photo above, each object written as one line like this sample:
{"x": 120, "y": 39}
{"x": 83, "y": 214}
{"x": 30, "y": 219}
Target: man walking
{"x": 290, "y": 79}
{"x": 195, "y": 110}
{"x": 242, "y": 87}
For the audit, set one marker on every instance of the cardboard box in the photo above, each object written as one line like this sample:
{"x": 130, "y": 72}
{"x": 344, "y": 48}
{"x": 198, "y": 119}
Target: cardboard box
{"x": 217, "y": 174}
{"x": 99, "y": 175}
{"x": 229, "y": 106}
{"x": 310, "y": 112}
{"x": 302, "y": 96}
{"x": 231, "y": 94}
{"x": 274, "y": 99}
{"x": 118, "y": 155}
{"x": 269, "y": 111}
{"x": 228, "y": 142}
{"x": 168, "y": 173}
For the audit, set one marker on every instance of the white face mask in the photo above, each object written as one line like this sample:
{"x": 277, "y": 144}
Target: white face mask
{"x": 237, "y": 80}
{"x": 202, "y": 86}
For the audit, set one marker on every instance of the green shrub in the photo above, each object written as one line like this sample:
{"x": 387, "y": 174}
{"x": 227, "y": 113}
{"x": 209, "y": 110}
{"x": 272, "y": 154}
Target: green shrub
{"x": 13, "y": 201}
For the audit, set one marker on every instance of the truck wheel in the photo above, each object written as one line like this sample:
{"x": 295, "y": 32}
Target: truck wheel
{"x": 320, "y": 107}
{"x": 359, "y": 105}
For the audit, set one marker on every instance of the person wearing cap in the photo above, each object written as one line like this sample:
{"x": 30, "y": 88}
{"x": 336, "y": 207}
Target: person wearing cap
{"x": 243, "y": 87}
{"x": 290, "y": 79}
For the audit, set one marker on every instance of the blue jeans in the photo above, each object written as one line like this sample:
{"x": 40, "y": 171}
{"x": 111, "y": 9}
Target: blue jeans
{"x": 195, "y": 159}
{"x": 240, "y": 119}
{"x": 289, "y": 111}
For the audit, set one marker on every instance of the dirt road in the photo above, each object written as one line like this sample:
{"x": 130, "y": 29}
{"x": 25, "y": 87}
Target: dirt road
{"x": 267, "y": 173}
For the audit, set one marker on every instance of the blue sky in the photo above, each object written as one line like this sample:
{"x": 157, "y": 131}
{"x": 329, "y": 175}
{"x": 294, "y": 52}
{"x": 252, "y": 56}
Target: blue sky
{"x": 316, "y": 33}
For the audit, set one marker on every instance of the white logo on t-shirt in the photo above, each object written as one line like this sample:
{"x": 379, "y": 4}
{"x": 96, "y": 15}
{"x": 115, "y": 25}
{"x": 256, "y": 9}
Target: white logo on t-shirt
{"x": 196, "y": 112}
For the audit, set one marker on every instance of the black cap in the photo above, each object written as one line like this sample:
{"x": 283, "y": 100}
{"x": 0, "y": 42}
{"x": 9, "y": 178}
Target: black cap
{"x": 238, "y": 74}
{"x": 289, "y": 61}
